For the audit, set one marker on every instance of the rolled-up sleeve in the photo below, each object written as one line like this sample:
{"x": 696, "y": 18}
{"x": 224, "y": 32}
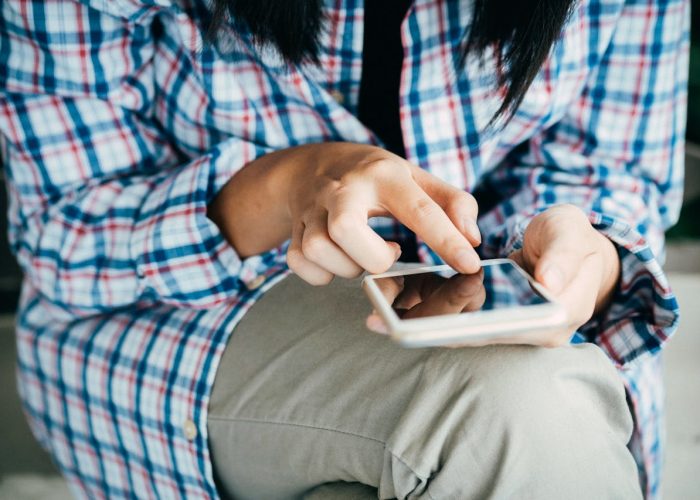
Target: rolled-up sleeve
{"x": 104, "y": 210}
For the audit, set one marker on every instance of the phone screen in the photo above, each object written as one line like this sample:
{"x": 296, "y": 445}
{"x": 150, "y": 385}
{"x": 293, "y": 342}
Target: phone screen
{"x": 496, "y": 286}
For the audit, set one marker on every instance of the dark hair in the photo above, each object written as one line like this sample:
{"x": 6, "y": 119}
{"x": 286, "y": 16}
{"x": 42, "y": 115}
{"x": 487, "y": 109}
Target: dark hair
{"x": 521, "y": 33}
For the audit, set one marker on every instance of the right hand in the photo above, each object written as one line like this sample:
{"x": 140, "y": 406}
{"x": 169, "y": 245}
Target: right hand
{"x": 332, "y": 198}
{"x": 322, "y": 195}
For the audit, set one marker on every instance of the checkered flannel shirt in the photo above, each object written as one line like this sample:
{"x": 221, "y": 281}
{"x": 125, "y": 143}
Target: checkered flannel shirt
{"x": 120, "y": 122}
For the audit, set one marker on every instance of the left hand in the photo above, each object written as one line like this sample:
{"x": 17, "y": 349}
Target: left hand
{"x": 576, "y": 263}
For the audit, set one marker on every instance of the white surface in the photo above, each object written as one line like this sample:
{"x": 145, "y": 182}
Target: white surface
{"x": 33, "y": 487}
{"x": 682, "y": 370}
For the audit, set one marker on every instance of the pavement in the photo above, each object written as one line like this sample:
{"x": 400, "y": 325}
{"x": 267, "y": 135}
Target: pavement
{"x": 26, "y": 472}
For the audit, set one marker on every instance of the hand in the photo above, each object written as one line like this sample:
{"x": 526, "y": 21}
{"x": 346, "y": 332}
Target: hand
{"x": 576, "y": 263}
{"x": 322, "y": 195}
{"x": 331, "y": 202}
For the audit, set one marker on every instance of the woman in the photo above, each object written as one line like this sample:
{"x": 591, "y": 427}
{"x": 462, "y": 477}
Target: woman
{"x": 167, "y": 160}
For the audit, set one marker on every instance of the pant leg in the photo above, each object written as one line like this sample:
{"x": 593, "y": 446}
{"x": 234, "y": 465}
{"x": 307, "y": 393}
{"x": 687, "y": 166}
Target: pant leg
{"x": 341, "y": 491}
{"x": 306, "y": 396}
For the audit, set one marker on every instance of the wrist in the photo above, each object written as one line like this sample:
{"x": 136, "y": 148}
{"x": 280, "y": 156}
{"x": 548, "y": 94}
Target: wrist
{"x": 283, "y": 169}
{"x": 610, "y": 272}
{"x": 251, "y": 209}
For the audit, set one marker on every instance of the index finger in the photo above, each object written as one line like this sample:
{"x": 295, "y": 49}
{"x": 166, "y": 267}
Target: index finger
{"x": 420, "y": 213}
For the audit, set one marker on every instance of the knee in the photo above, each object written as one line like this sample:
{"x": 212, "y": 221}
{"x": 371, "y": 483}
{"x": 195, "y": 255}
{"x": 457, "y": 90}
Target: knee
{"x": 522, "y": 387}
{"x": 531, "y": 381}
{"x": 546, "y": 418}
{"x": 549, "y": 393}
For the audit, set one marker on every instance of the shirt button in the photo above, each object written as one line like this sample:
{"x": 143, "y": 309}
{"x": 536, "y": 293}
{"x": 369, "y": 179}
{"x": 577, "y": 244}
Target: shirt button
{"x": 189, "y": 429}
{"x": 338, "y": 96}
{"x": 254, "y": 284}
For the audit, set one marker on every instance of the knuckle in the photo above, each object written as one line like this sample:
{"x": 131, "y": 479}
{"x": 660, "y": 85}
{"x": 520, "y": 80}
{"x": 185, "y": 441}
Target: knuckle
{"x": 295, "y": 259}
{"x": 450, "y": 244}
{"x": 314, "y": 247}
{"x": 378, "y": 167}
{"x": 356, "y": 273}
{"x": 380, "y": 265}
{"x": 463, "y": 202}
{"x": 422, "y": 208}
{"x": 341, "y": 226}
{"x": 457, "y": 201}
{"x": 338, "y": 190}
{"x": 319, "y": 279}
{"x": 350, "y": 270}
{"x": 350, "y": 273}
{"x": 456, "y": 205}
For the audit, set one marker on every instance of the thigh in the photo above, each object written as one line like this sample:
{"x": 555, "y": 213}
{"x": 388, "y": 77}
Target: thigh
{"x": 305, "y": 395}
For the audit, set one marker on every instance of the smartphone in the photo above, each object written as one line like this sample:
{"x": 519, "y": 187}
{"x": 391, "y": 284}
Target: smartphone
{"x": 432, "y": 306}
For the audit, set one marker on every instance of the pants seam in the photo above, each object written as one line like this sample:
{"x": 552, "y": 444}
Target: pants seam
{"x": 329, "y": 429}
{"x": 293, "y": 424}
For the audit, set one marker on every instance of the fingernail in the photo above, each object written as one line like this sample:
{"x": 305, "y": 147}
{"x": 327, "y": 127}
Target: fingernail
{"x": 465, "y": 260}
{"x": 397, "y": 250}
{"x": 472, "y": 229}
{"x": 553, "y": 279}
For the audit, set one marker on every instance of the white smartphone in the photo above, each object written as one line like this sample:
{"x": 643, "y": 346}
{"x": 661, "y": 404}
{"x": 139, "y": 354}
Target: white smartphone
{"x": 432, "y": 306}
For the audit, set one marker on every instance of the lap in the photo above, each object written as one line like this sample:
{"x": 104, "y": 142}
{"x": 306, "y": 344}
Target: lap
{"x": 304, "y": 385}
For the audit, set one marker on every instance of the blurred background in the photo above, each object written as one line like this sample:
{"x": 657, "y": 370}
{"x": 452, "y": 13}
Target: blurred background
{"x": 26, "y": 472}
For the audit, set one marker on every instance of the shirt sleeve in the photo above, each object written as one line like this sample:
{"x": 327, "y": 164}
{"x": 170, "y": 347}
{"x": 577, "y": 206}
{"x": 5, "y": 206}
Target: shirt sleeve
{"x": 104, "y": 211}
{"x": 617, "y": 154}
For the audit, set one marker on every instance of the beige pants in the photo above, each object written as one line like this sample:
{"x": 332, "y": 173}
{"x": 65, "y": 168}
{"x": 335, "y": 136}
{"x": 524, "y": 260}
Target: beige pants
{"x": 308, "y": 403}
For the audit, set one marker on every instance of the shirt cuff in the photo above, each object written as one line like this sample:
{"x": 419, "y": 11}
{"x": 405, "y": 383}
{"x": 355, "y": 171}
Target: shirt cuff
{"x": 643, "y": 312}
{"x": 181, "y": 256}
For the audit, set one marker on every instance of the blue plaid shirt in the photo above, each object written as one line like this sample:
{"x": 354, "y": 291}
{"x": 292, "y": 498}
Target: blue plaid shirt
{"x": 119, "y": 124}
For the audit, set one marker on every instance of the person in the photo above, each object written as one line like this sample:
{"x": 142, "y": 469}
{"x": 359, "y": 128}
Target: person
{"x": 181, "y": 172}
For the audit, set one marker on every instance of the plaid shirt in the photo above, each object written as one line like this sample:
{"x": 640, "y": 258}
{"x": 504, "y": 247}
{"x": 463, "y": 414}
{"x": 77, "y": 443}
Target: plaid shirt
{"x": 119, "y": 124}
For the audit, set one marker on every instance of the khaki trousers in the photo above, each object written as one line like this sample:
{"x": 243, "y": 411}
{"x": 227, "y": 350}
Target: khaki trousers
{"x": 308, "y": 403}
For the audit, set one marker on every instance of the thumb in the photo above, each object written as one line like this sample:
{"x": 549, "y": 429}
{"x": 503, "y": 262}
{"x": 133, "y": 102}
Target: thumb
{"x": 558, "y": 240}
{"x": 558, "y": 265}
